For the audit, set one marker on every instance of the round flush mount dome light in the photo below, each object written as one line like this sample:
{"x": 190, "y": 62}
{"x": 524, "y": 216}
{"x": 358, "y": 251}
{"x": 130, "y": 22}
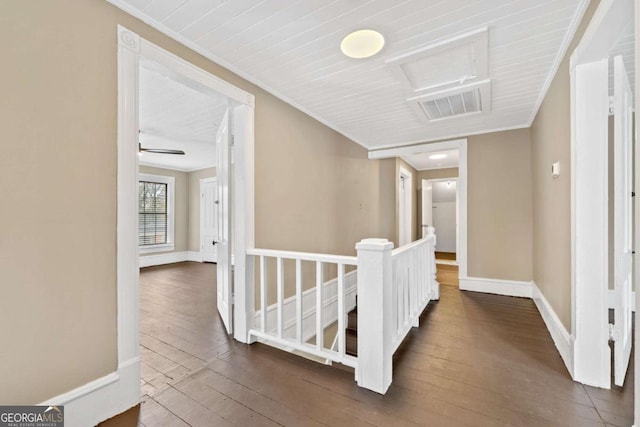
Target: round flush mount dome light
{"x": 362, "y": 44}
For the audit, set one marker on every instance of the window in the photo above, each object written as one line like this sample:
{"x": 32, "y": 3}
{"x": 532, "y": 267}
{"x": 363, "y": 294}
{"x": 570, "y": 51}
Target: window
{"x": 155, "y": 213}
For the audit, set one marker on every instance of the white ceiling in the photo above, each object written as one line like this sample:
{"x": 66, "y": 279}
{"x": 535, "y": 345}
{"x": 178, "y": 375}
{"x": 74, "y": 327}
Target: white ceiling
{"x": 173, "y": 115}
{"x": 422, "y": 161}
{"x": 291, "y": 48}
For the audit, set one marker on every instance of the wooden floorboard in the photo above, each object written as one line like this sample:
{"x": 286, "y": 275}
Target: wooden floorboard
{"x": 476, "y": 360}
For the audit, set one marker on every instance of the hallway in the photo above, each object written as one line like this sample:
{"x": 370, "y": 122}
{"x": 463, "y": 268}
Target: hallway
{"x": 477, "y": 360}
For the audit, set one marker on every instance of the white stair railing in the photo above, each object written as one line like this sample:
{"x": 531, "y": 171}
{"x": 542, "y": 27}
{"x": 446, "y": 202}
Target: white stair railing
{"x": 292, "y": 321}
{"x": 393, "y": 289}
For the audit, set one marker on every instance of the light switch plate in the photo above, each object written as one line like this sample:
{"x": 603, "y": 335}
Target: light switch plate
{"x": 555, "y": 170}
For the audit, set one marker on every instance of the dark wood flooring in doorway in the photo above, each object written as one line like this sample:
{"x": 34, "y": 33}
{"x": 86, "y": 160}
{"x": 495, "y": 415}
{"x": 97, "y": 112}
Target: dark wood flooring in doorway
{"x": 476, "y": 360}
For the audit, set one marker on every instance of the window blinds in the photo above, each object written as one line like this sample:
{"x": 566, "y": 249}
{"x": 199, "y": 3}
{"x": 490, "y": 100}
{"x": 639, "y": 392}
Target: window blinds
{"x": 152, "y": 213}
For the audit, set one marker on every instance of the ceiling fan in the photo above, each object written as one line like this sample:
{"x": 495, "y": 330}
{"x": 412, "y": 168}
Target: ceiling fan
{"x": 157, "y": 150}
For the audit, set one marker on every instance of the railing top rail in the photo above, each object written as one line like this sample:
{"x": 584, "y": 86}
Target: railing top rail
{"x": 409, "y": 246}
{"x": 304, "y": 256}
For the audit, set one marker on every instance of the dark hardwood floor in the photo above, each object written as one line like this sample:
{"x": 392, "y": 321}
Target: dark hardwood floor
{"x": 476, "y": 360}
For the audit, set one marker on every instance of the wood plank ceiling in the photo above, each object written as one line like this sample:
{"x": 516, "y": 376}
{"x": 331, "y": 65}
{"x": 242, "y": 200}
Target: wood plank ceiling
{"x": 291, "y": 48}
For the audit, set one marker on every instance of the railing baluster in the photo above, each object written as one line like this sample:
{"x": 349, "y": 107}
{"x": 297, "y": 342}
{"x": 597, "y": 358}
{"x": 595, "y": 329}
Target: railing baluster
{"x": 280, "y": 280}
{"x": 319, "y": 326}
{"x": 299, "y": 301}
{"x": 263, "y": 294}
{"x": 341, "y": 310}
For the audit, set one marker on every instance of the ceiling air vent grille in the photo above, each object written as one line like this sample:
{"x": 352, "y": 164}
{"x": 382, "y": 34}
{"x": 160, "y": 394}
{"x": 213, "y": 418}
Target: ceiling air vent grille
{"x": 453, "y": 103}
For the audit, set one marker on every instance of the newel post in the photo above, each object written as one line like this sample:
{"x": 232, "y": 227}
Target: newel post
{"x": 375, "y": 325}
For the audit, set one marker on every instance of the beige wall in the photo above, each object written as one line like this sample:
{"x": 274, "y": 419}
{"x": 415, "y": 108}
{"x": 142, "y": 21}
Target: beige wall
{"x": 437, "y": 174}
{"x": 414, "y": 200}
{"x": 551, "y": 142}
{"x": 499, "y": 206}
{"x": 181, "y": 218}
{"x": 315, "y": 191}
{"x": 194, "y": 206}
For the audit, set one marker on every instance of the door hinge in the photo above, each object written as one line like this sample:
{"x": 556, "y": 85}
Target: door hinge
{"x": 611, "y": 105}
{"x": 612, "y": 332}
{"x": 633, "y": 194}
{"x": 233, "y": 140}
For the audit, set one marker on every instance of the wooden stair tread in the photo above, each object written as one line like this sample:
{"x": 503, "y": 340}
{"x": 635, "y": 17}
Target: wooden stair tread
{"x": 351, "y": 333}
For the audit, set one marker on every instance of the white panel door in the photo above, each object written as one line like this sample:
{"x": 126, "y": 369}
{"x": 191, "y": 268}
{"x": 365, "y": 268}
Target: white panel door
{"x": 223, "y": 175}
{"x": 444, "y": 221}
{"x": 209, "y": 219}
{"x": 623, "y": 227}
{"x": 427, "y": 206}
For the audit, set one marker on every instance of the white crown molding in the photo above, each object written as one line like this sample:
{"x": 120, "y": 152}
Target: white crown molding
{"x": 173, "y": 168}
{"x": 193, "y": 46}
{"x": 564, "y": 48}
{"x": 407, "y": 150}
{"x": 447, "y": 138}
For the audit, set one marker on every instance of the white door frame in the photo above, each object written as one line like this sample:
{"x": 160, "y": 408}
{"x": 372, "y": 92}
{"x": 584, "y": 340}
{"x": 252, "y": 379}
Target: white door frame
{"x": 453, "y": 178}
{"x": 202, "y": 208}
{"x": 591, "y": 363}
{"x": 132, "y": 49}
{"x": 461, "y": 146}
{"x": 405, "y": 200}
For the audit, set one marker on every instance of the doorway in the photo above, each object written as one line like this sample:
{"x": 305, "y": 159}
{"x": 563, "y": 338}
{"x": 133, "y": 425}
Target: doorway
{"x": 599, "y": 88}
{"x": 238, "y": 121}
{"x": 439, "y": 209}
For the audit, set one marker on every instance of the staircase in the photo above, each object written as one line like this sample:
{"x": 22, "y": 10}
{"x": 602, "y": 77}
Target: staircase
{"x": 351, "y": 336}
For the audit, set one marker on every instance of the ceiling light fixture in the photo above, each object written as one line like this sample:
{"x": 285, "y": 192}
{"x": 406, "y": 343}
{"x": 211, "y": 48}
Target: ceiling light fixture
{"x": 362, "y": 44}
{"x": 437, "y": 156}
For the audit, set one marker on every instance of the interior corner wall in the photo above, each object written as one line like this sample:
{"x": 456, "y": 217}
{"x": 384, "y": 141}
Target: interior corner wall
{"x": 194, "y": 206}
{"x": 499, "y": 212}
{"x": 551, "y": 142}
{"x": 181, "y": 206}
{"x": 414, "y": 200}
{"x": 315, "y": 189}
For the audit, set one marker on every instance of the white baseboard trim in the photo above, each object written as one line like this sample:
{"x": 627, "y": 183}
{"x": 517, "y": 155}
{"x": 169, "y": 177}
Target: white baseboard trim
{"x": 611, "y": 299}
{"x": 561, "y": 337}
{"x": 194, "y": 256}
{"x": 510, "y": 288}
{"x": 103, "y": 398}
{"x": 329, "y": 308}
{"x": 161, "y": 259}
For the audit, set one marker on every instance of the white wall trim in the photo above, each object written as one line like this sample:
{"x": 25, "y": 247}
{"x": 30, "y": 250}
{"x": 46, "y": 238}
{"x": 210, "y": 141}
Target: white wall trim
{"x": 194, "y": 256}
{"x": 510, "y": 288}
{"x": 131, "y": 50}
{"x": 611, "y": 299}
{"x": 561, "y": 337}
{"x": 161, "y": 259}
{"x": 102, "y": 398}
{"x": 415, "y": 149}
{"x": 329, "y": 308}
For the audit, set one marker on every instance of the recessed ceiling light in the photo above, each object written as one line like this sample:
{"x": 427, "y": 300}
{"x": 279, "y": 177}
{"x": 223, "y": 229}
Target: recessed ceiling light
{"x": 437, "y": 156}
{"x": 362, "y": 44}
